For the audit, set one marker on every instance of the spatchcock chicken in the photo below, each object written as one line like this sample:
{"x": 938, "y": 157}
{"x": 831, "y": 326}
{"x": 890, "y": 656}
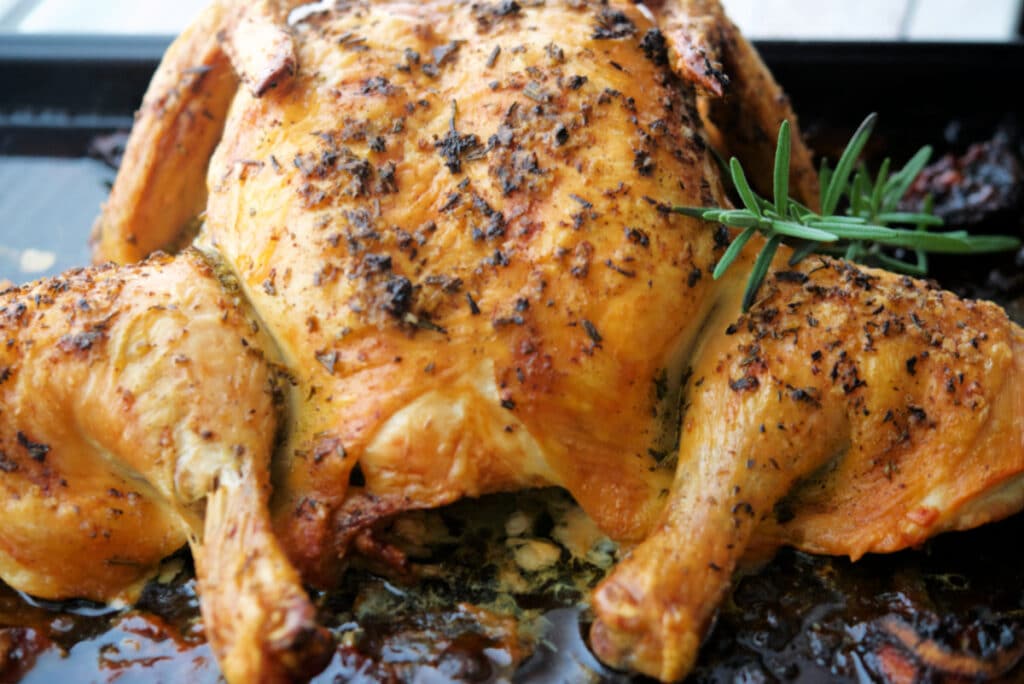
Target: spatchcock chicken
{"x": 435, "y": 261}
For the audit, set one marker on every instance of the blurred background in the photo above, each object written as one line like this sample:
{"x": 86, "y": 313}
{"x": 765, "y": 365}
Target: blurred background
{"x": 975, "y": 20}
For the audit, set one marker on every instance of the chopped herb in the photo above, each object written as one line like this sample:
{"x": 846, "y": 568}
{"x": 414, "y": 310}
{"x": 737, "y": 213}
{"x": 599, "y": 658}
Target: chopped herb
{"x": 507, "y": 8}
{"x": 561, "y": 134}
{"x": 36, "y": 450}
{"x": 327, "y": 360}
{"x": 747, "y": 382}
{"x": 618, "y": 269}
{"x": 613, "y": 24}
{"x": 643, "y": 163}
{"x": 654, "y": 46}
{"x": 535, "y": 92}
{"x": 442, "y": 53}
{"x": 493, "y": 57}
{"x": 638, "y": 237}
{"x": 452, "y": 147}
{"x": 582, "y": 202}
{"x": 377, "y": 85}
{"x": 499, "y": 258}
{"x": 397, "y": 296}
{"x": 79, "y": 342}
{"x": 7, "y": 466}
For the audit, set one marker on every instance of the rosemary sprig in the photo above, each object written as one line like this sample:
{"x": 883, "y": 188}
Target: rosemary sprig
{"x": 861, "y": 233}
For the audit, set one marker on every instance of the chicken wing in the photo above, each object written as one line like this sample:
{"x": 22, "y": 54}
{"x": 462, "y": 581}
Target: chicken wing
{"x": 740, "y": 102}
{"x": 160, "y": 196}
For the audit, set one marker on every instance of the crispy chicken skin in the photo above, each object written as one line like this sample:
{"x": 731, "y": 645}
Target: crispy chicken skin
{"x": 741, "y": 104}
{"x": 175, "y": 131}
{"x": 850, "y": 411}
{"x": 455, "y": 272}
{"x": 445, "y": 224}
{"x": 137, "y": 414}
{"x": 161, "y": 194}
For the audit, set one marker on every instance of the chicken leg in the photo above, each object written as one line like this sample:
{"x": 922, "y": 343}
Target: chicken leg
{"x": 902, "y": 392}
{"x": 137, "y": 413}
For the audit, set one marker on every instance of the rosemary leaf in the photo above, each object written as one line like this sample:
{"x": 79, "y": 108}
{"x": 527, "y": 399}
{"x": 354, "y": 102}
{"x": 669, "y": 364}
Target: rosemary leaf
{"x": 905, "y": 217}
{"x": 901, "y": 181}
{"x": 732, "y": 252}
{"x": 857, "y": 194}
{"x": 802, "y": 231}
{"x": 861, "y": 234}
{"x": 760, "y": 270}
{"x": 837, "y": 220}
{"x": 893, "y": 264}
{"x": 694, "y": 212}
{"x": 803, "y": 251}
{"x": 739, "y": 218}
{"x": 879, "y": 189}
{"x": 739, "y": 179}
{"x": 838, "y": 179}
{"x": 982, "y": 244}
{"x": 781, "y": 178}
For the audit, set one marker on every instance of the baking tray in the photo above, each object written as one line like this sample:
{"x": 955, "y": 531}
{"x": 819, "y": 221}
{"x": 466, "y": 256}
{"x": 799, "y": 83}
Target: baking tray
{"x": 64, "y": 102}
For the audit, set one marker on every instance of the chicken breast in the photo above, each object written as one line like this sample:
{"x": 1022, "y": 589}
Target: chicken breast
{"x": 456, "y": 255}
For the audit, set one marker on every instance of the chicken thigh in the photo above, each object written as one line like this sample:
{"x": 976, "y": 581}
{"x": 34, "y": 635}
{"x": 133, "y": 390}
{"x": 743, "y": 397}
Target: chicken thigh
{"x": 441, "y": 233}
{"x": 137, "y": 413}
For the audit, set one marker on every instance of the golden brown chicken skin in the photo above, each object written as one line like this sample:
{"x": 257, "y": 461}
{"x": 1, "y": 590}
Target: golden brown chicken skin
{"x": 850, "y": 411}
{"x": 137, "y": 414}
{"x": 448, "y": 224}
{"x": 159, "y": 200}
{"x": 450, "y": 221}
{"x": 741, "y": 104}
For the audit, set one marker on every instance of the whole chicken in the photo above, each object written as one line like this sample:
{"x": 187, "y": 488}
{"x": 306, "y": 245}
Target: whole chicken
{"x": 436, "y": 261}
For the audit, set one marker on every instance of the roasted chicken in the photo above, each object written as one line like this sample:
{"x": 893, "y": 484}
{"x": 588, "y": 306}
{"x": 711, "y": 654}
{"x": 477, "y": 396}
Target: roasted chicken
{"x": 435, "y": 261}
